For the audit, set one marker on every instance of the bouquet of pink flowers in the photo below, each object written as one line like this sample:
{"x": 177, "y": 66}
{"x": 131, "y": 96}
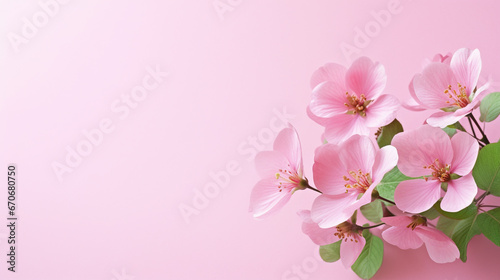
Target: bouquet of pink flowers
{"x": 420, "y": 186}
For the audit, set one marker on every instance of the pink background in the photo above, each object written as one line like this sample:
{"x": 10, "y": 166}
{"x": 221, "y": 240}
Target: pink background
{"x": 117, "y": 213}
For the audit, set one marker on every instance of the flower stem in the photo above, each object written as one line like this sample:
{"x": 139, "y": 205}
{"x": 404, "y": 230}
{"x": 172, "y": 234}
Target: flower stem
{"x": 304, "y": 184}
{"x": 374, "y": 226}
{"x": 481, "y": 197}
{"x": 484, "y": 139}
{"x": 472, "y": 128}
{"x": 386, "y": 200}
{"x": 314, "y": 189}
{"x": 493, "y": 206}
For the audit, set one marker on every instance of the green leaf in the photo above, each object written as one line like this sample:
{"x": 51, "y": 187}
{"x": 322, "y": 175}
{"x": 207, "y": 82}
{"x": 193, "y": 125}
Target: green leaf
{"x": 447, "y": 225}
{"x": 463, "y": 233}
{"x": 460, "y": 215}
{"x": 389, "y": 183}
{"x": 489, "y": 224}
{"x": 430, "y": 214}
{"x": 330, "y": 252}
{"x": 487, "y": 167}
{"x": 354, "y": 217}
{"x": 370, "y": 259}
{"x": 388, "y": 132}
{"x": 373, "y": 211}
{"x": 457, "y": 126}
{"x": 450, "y": 131}
{"x": 450, "y": 109}
{"x": 490, "y": 107}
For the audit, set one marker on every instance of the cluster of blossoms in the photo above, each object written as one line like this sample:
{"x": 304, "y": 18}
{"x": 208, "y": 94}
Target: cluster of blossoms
{"x": 415, "y": 187}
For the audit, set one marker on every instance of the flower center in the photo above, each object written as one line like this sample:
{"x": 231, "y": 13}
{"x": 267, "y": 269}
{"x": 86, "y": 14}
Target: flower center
{"x": 287, "y": 179}
{"x": 356, "y": 105}
{"x": 358, "y": 181}
{"x": 417, "y": 221}
{"x": 347, "y": 232}
{"x": 439, "y": 171}
{"x": 459, "y": 98}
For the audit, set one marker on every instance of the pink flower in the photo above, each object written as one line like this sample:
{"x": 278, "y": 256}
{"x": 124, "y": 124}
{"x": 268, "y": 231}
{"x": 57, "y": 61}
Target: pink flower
{"x": 350, "y": 101}
{"x": 450, "y": 86}
{"x": 412, "y": 232}
{"x": 350, "y": 234}
{"x": 429, "y": 152}
{"x": 347, "y": 174}
{"x": 413, "y": 103}
{"x": 281, "y": 171}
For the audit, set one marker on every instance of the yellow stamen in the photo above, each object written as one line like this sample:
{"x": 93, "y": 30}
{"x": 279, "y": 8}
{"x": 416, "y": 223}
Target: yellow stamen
{"x": 357, "y": 105}
{"x": 439, "y": 171}
{"x": 417, "y": 221}
{"x": 359, "y": 181}
{"x": 460, "y": 98}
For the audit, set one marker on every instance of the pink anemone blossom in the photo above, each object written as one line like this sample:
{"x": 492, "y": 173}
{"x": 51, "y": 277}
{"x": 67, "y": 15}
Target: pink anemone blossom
{"x": 411, "y": 232}
{"x": 281, "y": 171}
{"x": 347, "y": 174}
{"x": 350, "y": 101}
{"x": 451, "y": 87}
{"x": 350, "y": 234}
{"x": 445, "y": 164}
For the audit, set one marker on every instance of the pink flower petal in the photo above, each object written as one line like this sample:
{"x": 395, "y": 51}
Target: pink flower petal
{"x": 382, "y": 111}
{"x": 358, "y": 153}
{"x": 350, "y": 250}
{"x": 443, "y": 119}
{"x": 328, "y": 211}
{"x": 465, "y": 151}
{"x": 328, "y": 170}
{"x": 319, "y": 236}
{"x": 421, "y": 147}
{"x": 430, "y": 85}
{"x": 460, "y": 194}
{"x": 442, "y": 58}
{"x": 328, "y": 99}
{"x": 397, "y": 221}
{"x": 363, "y": 200}
{"x": 413, "y": 103}
{"x": 479, "y": 94}
{"x": 287, "y": 142}
{"x": 329, "y": 72}
{"x": 340, "y": 127}
{"x": 318, "y": 120}
{"x": 417, "y": 195}
{"x": 440, "y": 247}
{"x": 266, "y": 198}
{"x": 268, "y": 163}
{"x": 366, "y": 77}
{"x": 466, "y": 65}
{"x": 411, "y": 89}
{"x": 385, "y": 160}
{"x": 402, "y": 237}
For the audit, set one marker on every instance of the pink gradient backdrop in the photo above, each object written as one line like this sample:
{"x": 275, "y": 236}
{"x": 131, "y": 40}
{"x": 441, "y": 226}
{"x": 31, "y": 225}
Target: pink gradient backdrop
{"x": 118, "y": 211}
